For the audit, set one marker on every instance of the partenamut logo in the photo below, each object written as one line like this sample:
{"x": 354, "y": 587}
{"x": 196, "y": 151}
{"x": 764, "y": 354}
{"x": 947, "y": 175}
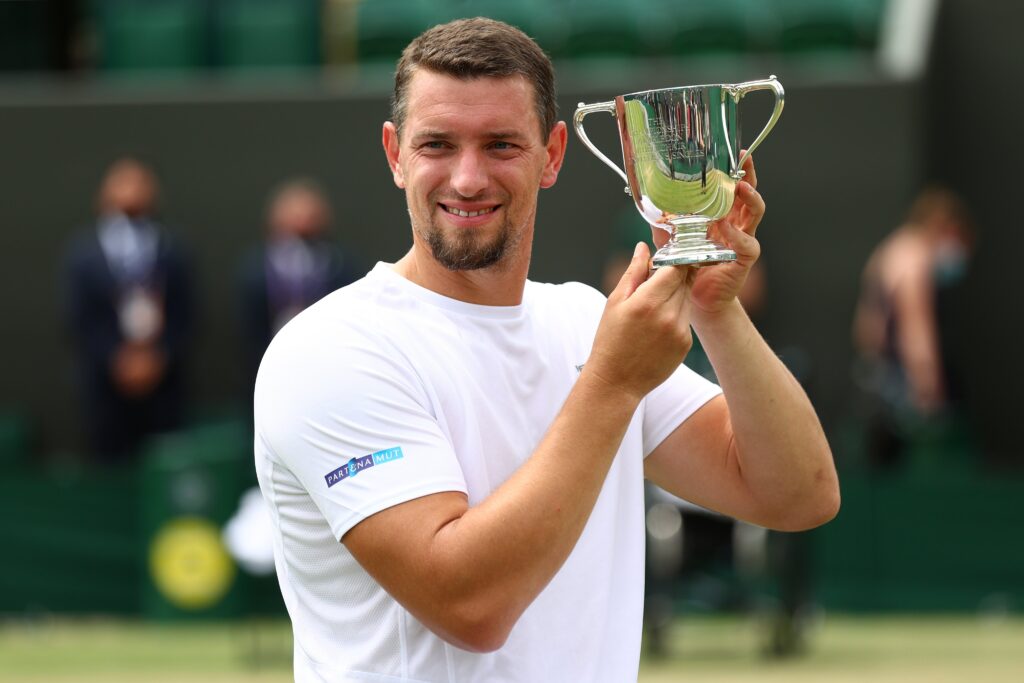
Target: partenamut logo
{"x": 357, "y": 465}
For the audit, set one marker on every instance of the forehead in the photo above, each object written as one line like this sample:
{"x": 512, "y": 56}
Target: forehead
{"x": 443, "y": 101}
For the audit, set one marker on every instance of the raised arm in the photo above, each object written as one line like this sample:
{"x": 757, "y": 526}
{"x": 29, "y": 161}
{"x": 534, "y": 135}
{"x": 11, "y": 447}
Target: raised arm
{"x": 758, "y": 452}
{"x": 468, "y": 573}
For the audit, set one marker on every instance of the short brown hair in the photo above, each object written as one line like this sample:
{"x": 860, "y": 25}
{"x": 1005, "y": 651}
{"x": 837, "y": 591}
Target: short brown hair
{"x": 937, "y": 200}
{"x": 474, "y": 48}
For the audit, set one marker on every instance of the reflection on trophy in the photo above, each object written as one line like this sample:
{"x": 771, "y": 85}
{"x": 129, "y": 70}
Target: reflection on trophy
{"x": 681, "y": 151}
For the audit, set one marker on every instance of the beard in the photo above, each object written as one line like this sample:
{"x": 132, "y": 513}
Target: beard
{"x": 466, "y": 249}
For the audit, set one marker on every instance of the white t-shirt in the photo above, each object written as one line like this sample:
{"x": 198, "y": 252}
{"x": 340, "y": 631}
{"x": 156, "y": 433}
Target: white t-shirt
{"x": 385, "y": 391}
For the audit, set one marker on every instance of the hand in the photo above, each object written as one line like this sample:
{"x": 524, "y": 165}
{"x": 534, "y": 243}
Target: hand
{"x": 644, "y": 333}
{"x": 715, "y": 287}
{"x": 137, "y": 369}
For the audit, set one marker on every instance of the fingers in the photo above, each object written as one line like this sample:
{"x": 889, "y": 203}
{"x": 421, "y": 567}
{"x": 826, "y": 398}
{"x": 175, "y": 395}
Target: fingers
{"x": 746, "y": 246}
{"x": 636, "y": 273}
{"x": 748, "y": 169}
{"x": 752, "y": 204}
{"x": 666, "y": 283}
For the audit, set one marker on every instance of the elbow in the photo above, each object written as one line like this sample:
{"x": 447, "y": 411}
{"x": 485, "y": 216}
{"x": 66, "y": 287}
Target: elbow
{"x": 477, "y": 627}
{"x": 811, "y": 510}
{"x": 824, "y": 510}
{"x": 478, "y": 640}
{"x": 477, "y": 635}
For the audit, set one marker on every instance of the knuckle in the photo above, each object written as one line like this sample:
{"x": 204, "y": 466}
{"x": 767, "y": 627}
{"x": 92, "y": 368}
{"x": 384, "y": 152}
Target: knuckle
{"x": 668, "y": 321}
{"x": 753, "y": 248}
{"x": 645, "y": 308}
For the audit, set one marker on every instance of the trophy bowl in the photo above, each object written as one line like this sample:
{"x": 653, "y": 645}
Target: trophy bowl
{"x": 681, "y": 153}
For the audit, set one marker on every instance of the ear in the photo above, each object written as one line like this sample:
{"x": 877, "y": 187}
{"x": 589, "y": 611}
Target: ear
{"x": 556, "y": 154}
{"x": 392, "y": 149}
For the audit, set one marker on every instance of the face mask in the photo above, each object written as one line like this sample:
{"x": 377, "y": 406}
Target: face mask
{"x": 950, "y": 263}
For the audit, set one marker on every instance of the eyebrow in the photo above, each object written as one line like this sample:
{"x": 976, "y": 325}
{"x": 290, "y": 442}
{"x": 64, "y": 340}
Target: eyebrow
{"x": 444, "y": 135}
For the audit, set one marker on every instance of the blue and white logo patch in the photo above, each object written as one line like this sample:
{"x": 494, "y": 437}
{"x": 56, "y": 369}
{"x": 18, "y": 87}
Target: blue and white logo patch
{"x": 357, "y": 465}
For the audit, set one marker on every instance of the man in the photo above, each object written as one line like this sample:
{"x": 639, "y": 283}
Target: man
{"x": 129, "y": 305}
{"x": 902, "y": 321}
{"x": 476, "y": 441}
{"x": 296, "y": 266}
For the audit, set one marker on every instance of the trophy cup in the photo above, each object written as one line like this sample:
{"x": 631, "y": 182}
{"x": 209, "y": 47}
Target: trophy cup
{"x": 680, "y": 149}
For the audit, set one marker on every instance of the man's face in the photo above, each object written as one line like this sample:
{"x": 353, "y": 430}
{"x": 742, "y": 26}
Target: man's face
{"x": 299, "y": 213}
{"x": 471, "y": 159}
{"x": 129, "y": 189}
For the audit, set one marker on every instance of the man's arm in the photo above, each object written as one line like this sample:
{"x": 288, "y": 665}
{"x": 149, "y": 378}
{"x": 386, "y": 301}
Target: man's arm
{"x": 469, "y": 573}
{"x": 757, "y": 453}
{"x": 917, "y": 336}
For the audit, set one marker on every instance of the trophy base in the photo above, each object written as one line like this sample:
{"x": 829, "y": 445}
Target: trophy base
{"x": 705, "y": 255}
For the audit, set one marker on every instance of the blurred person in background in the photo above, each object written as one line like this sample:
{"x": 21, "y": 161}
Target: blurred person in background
{"x": 904, "y": 364}
{"x": 296, "y": 266}
{"x": 129, "y": 308}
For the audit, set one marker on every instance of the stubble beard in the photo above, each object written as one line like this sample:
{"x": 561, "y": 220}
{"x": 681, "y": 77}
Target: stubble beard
{"x": 465, "y": 249}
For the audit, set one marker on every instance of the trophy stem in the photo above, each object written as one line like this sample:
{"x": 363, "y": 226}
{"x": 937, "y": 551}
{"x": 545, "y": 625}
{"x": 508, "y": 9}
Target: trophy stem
{"x": 690, "y": 246}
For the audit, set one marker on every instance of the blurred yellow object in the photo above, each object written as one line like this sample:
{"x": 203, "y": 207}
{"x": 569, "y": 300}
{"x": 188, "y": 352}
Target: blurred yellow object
{"x": 189, "y": 563}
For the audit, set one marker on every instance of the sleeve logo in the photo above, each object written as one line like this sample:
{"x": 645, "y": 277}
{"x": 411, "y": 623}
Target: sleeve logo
{"x": 357, "y": 465}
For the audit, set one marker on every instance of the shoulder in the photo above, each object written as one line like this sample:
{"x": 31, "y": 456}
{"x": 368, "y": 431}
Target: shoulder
{"x": 568, "y": 295}
{"x": 342, "y": 335}
{"x": 335, "y": 363}
{"x": 906, "y": 258}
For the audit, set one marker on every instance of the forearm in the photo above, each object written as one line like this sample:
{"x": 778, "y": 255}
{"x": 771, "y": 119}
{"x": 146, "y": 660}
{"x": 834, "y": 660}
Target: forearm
{"x": 778, "y": 448}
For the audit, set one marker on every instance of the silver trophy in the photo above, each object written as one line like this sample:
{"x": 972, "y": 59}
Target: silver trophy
{"x": 681, "y": 151}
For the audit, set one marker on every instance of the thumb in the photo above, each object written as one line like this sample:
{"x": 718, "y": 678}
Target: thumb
{"x": 636, "y": 274}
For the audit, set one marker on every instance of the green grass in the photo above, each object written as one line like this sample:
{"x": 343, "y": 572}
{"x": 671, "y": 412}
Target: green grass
{"x": 703, "y": 648}
{"x": 877, "y": 649}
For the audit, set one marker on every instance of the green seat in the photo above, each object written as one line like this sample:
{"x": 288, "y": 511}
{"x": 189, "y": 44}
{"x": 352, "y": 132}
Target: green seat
{"x": 539, "y": 19}
{"x": 385, "y": 27}
{"x": 607, "y": 28}
{"x": 161, "y": 35}
{"x": 704, "y": 27}
{"x": 267, "y": 33}
{"x": 819, "y": 25}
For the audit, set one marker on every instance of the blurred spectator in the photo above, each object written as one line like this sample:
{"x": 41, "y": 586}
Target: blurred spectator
{"x": 129, "y": 307}
{"x": 904, "y": 367}
{"x": 296, "y": 266}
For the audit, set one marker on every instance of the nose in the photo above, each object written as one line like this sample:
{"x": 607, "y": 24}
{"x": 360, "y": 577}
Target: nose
{"x": 469, "y": 177}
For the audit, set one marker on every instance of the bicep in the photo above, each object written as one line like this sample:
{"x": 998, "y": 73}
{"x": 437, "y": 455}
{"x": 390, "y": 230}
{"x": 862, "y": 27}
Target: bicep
{"x": 399, "y": 547}
{"x": 698, "y": 463}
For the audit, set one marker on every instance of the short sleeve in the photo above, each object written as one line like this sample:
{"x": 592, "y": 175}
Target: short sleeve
{"x": 672, "y": 402}
{"x": 350, "y": 421}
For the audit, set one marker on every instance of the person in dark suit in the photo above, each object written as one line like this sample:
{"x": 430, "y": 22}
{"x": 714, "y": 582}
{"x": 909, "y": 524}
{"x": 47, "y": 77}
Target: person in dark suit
{"x": 129, "y": 308}
{"x": 295, "y": 267}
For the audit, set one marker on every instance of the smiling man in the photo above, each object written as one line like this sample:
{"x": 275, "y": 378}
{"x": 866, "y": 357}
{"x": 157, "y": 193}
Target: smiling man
{"x": 454, "y": 455}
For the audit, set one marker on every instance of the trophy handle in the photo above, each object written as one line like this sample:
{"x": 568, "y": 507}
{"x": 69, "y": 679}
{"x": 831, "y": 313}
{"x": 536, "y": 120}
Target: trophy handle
{"x": 738, "y": 91}
{"x": 582, "y": 110}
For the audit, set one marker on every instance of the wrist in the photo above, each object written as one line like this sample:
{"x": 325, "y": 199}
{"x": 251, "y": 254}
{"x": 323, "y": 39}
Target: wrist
{"x": 723, "y": 319}
{"x": 606, "y": 395}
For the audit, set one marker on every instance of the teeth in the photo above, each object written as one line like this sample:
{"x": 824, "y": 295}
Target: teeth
{"x": 467, "y": 214}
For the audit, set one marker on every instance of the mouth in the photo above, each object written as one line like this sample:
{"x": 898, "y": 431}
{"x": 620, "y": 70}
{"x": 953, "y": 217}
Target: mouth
{"x": 463, "y": 213}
